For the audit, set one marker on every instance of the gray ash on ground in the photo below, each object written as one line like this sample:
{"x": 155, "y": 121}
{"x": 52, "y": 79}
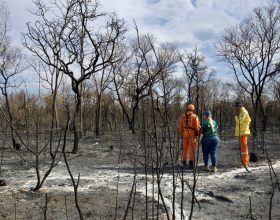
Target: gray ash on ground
{"x": 106, "y": 181}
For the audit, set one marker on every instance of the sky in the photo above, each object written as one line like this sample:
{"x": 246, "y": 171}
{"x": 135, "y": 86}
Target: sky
{"x": 187, "y": 23}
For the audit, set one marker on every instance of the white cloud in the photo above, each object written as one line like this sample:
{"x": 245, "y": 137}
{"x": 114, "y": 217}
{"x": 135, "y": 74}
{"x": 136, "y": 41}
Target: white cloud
{"x": 19, "y": 16}
{"x": 126, "y": 8}
{"x": 189, "y": 21}
{"x": 185, "y": 22}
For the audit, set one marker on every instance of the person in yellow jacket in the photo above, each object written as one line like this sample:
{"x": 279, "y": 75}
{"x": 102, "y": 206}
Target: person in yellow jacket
{"x": 242, "y": 131}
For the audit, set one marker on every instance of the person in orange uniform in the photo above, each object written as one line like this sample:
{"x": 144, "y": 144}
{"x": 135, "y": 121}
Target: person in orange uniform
{"x": 242, "y": 123}
{"x": 189, "y": 127}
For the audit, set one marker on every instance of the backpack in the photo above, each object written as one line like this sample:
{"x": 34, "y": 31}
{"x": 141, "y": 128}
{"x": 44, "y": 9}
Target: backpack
{"x": 187, "y": 126}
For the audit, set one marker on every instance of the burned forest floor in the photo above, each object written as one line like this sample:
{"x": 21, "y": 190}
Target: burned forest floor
{"x": 115, "y": 183}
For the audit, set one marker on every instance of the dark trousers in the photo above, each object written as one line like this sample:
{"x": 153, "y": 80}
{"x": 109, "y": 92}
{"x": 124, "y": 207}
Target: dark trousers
{"x": 209, "y": 146}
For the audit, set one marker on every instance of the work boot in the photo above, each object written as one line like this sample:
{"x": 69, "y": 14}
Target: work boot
{"x": 191, "y": 164}
{"x": 214, "y": 169}
{"x": 253, "y": 157}
{"x": 184, "y": 163}
{"x": 206, "y": 168}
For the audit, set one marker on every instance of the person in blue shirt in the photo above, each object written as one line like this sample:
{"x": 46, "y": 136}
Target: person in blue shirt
{"x": 209, "y": 140}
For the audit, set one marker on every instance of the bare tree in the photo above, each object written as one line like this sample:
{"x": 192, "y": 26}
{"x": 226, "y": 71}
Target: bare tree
{"x": 10, "y": 65}
{"x": 51, "y": 80}
{"x": 135, "y": 78}
{"x": 276, "y": 90}
{"x": 197, "y": 74}
{"x": 251, "y": 49}
{"x": 221, "y": 105}
{"x": 166, "y": 91}
{"x": 101, "y": 82}
{"x": 70, "y": 33}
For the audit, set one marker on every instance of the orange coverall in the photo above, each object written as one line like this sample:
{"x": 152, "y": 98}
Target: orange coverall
{"x": 243, "y": 140}
{"x": 188, "y": 125}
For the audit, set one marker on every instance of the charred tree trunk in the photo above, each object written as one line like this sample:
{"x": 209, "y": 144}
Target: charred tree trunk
{"x": 81, "y": 112}
{"x": 98, "y": 115}
{"x": 54, "y": 123}
{"x": 15, "y": 144}
{"x": 75, "y": 121}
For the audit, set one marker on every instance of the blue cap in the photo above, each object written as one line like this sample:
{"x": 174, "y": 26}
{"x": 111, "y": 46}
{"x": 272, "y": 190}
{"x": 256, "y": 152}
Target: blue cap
{"x": 207, "y": 113}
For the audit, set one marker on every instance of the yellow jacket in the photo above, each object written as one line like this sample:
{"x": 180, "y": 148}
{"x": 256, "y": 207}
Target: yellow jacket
{"x": 242, "y": 122}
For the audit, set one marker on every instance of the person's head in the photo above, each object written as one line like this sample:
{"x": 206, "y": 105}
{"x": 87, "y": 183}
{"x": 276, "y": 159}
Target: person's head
{"x": 190, "y": 107}
{"x": 238, "y": 105}
{"x": 207, "y": 114}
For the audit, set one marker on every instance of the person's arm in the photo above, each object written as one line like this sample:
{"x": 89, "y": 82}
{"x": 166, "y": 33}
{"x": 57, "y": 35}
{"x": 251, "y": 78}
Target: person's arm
{"x": 248, "y": 119}
{"x": 202, "y": 132}
{"x": 197, "y": 125}
{"x": 217, "y": 129}
{"x": 236, "y": 119}
{"x": 201, "y": 137}
{"x": 241, "y": 117}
